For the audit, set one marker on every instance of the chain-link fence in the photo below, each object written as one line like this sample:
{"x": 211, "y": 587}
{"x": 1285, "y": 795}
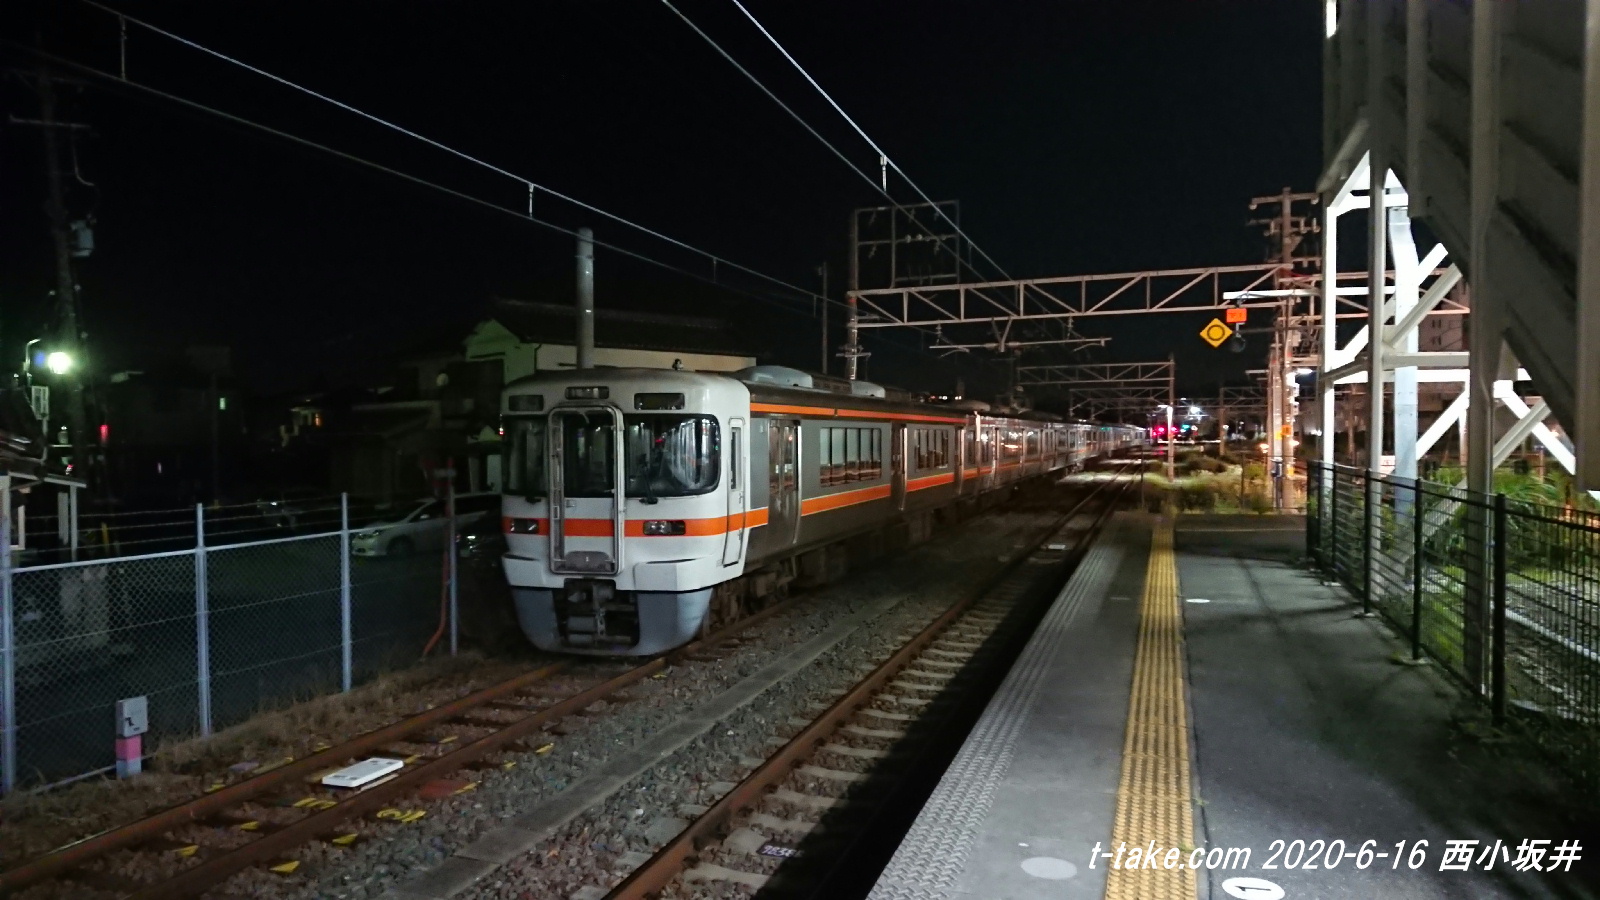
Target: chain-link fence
{"x": 1501, "y": 593}
{"x": 263, "y": 605}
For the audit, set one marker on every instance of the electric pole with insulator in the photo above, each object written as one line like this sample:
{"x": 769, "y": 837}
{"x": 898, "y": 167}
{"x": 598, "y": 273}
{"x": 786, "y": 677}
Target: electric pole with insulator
{"x": 70, "y": 339}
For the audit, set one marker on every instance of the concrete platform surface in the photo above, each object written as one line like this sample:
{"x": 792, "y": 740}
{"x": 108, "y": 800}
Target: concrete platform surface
{"x": 1304, "y": 734}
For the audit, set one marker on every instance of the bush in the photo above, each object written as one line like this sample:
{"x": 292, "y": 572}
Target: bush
{"x": 1204, "y": 464}
{"x": 1197, "y": 497}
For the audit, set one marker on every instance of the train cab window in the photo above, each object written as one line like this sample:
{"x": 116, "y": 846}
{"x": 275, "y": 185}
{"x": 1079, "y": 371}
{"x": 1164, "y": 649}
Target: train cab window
{"x": 525, "y": 475}
{"x": 588, "y": 454}
{"x": 1033, "y": 443}
{"x": 671, "y": 456}
{"x": 969, "y": 446}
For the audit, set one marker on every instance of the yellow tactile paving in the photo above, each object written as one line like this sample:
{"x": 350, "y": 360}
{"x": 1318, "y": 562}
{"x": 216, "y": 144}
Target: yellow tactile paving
{"x": 1154, "y": 798}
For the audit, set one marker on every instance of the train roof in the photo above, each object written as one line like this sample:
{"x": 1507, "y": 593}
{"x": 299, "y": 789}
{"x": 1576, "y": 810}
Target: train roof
{"x": 782, "y": 395}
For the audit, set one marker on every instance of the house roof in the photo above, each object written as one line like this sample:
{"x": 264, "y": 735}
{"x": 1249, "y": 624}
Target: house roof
{"x": 556, "y": 323}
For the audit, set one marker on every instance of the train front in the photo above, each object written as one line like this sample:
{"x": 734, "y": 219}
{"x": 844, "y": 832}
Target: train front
{"x": 623, "y": 505}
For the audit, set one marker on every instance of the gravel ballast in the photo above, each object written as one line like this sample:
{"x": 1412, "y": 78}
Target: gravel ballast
{"x": 615, "y": 785}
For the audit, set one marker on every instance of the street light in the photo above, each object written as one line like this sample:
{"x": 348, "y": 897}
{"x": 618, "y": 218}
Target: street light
{"x": 58, "y": 362}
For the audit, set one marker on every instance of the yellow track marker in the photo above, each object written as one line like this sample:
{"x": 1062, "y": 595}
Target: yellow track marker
{"x": 344, "y": 840}
{"x": 187, "y": 850}
{"x": 1155, "y": 803}
{"x": 287, "y": 868}
{"x": 543, "y": 749}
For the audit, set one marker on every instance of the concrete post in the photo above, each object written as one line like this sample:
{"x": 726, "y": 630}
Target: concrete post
{"x": 1407, "y": 280}
{"x": 1377, "y": 263}
{"x": 1487, "y": 333}
{"x": 585, "y": 316}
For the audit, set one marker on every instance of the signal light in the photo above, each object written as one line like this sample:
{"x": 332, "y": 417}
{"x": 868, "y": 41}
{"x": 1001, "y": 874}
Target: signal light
{"x": 519, "y": 526}
{"x": 663, "y": 527}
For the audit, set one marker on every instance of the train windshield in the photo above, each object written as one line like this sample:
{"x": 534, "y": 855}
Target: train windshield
{"x": 525, "y": 475}
{"x": 664, "y": 455}
{"x": 671, "y": 456}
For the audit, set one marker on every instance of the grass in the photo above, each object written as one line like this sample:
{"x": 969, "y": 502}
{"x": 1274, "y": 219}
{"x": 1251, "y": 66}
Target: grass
{"x": 1208, "y": 485}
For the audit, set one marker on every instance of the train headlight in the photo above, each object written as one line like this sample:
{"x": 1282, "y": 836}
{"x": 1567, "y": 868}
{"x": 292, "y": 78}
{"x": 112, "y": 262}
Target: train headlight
{"x": 663, "y": 527}
{"x": 519, "y": 526}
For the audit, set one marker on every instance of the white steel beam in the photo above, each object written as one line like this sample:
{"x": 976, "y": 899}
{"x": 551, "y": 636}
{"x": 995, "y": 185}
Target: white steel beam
{"x": 1407, "y": 279}
{"x": 1408, "y": 322}
{"x": 1450, "y": 417}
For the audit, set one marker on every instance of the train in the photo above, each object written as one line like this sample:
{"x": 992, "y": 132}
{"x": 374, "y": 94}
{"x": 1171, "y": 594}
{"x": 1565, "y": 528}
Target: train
{"x": 643, "y": 507}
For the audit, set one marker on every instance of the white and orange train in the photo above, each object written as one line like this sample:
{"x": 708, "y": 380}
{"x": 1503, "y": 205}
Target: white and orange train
{"x": 645, "y": 504}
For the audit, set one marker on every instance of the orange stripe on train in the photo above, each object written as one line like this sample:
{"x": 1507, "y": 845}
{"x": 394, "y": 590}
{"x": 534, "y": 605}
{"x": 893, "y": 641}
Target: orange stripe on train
{"x": 917, "y": 484}
{"x": 846, "y": 498}
{"x": 832, "y": 412}
{"x": 635, "y": 527}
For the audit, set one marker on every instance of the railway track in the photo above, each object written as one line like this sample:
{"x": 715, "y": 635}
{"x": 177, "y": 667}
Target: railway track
{"x": 822, "y": 786}
{"x": 188, "y": 848}
{"x": 264, "y": 820}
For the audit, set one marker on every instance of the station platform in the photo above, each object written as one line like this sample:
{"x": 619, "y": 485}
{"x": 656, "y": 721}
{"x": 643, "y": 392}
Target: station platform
{"x": 1198, "y": 717}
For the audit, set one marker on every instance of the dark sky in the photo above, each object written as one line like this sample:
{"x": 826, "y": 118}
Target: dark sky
{"x": 1080, "y": 137}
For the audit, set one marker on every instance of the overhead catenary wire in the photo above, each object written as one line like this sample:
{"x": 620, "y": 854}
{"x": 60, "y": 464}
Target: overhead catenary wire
{"x": 388, "y": 170}
{"x": 717, "y": 261}
{"x": 884, "y": 156}
{"x": 796, "y": 305}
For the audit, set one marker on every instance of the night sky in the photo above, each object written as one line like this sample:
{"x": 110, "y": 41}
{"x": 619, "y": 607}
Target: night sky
{"x": 1080, "y": 138}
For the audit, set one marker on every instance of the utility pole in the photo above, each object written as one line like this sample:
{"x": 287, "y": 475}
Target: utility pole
{"x": 825, "y": 302}
{"x": 585, "y": 299}
{"x": 66, "y": 285}
{"x": 1289, "y": 231}
{"x": 852, "y": 324}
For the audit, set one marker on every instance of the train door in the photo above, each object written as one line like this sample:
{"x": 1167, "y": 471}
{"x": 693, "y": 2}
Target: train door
{"x": 897, "y": 457}
{"x": 783, "y": 473}
{"x": 733, "y": 544}
{"x": 585, "y": 491}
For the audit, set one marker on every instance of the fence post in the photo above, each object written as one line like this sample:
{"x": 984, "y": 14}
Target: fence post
{"x": 1313, "y": 523}
{"x": 202, "y": 620}
{"x": 346, "y": 655}
{"x": 1416, "y": 570}
{"x": 450, "y": 560}
{"x": 1333, "y": 524}
{"x": 1497, "y": 673}
{"x": 8, "y": 667}
{"x": 1366, "y": 544}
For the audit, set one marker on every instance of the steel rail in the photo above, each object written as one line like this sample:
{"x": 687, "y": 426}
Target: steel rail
{"x": 196, "y": 879}
{"x": 669, "y": 862}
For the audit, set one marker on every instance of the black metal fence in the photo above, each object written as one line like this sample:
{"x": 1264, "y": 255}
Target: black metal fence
{"x": 1501, "y": 593}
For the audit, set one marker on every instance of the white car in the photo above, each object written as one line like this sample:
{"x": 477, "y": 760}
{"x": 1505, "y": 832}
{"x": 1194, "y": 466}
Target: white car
{"x": 423, "y": 527}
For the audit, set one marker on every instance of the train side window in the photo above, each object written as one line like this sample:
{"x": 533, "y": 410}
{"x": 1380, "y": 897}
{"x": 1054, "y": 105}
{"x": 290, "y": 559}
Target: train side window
{"x": 735, "y": 458}
{"x": 836, "y": 456}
